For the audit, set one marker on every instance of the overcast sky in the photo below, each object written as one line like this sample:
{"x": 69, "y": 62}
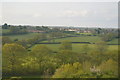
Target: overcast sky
{"x": 95, "y": 14}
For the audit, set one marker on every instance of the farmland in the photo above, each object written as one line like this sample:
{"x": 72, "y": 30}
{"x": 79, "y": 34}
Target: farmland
{"x": 78, "y": 47}
{"x": 35, "y": 54}
{"x": 91, "y": 39}
{"x": 80, "y": 39}
{"x": 51, "y": 40}
{"x": 23, "y": 36}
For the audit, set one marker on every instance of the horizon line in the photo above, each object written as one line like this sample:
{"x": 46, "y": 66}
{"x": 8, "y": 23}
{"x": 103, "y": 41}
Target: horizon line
{"x": 59, "y": 26}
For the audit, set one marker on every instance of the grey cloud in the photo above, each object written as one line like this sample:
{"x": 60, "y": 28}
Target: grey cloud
{"x": 102, "y": 14}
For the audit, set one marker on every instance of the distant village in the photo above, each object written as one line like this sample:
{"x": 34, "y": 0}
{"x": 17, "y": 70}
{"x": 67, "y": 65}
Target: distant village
{"x": 44, "y": 29}
{"x": 77, "y": 30}
{"x": 72, "y": 29}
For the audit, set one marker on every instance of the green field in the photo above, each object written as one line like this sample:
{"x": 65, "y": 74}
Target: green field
{"x": 5, "y": 30}
{"x": 23, "y": 36}
{"x": 85, "y": 33}
{"x": 80, "y": 39}
{"x": 114, "y": 41}
{"x": 91, "y": 39}
{"x": 78, "y": 47}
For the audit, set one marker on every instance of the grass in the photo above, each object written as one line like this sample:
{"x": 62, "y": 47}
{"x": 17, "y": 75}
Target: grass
{"x": 91, "y": 39}
{"x": 5, "y": 30}
{"x": 78, "y": 47}
{"x": 80, "y": 39}
{"x": 114, "y": 47}
{"x": 114, "y": 41}
{"x": 85, "y": 33}
{"x": 23, "y": 36}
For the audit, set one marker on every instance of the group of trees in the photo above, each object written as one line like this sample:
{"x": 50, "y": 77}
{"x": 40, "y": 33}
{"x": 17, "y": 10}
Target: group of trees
{"x": 17, "y": 30}
{"x": 14, "y": 30}
{"x": 53, "y": 35}
{"x": 41, "y": 60}
{"x": 11, "y": 54}
{"x": 43, "y": 28}
{"x": 109, "y": 36}
{"x": 106, "y": 34}
{"x": 78, "y": 70}
{"x": 5, "y": 26}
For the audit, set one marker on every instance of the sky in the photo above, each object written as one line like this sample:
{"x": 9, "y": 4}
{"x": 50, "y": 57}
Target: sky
{"x": 85, "y": 14}
{"x": 59, "y": 0}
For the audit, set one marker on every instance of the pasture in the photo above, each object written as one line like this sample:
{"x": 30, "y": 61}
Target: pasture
{"x": 78, "y": 47}
{"x": 91, "y": 39}
{"x": 5, "y": 30}
{"x": 79, "y": 39}
{"x": 23, "y": 36}
{"x": 114, "y": 41}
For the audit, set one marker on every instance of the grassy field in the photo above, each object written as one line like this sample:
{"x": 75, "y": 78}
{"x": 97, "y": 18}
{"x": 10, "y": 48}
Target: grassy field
{"x": 85, "y": 33}
{"x": 80, "y": 39}
{"x": 23, "y": 36}
{"x": 114, "y": 41}
{"x": 5, "y": 30}
{"x": 78, "y": 47}
{"x": 92, "y": 39}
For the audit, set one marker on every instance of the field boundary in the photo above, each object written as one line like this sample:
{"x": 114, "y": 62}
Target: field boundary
{"x": 71, "y": 42}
